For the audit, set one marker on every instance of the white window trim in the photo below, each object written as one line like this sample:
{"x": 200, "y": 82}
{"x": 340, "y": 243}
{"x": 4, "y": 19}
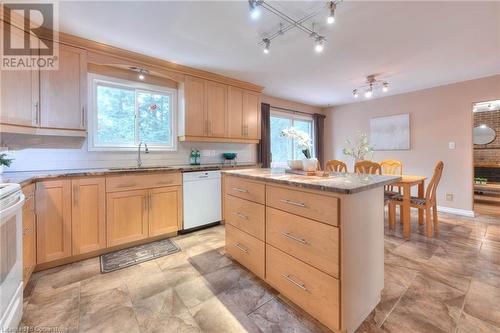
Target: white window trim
{"x": 293, "y": 117}
{"x": 95, "y": 79}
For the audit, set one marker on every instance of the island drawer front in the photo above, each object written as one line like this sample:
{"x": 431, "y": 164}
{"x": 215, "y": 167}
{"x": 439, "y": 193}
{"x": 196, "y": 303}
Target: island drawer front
{"x": 318, "y": 207}
{"x": 138, "y": 182}
{"x": 314, "y": 291}
{"x": 315, "y": 243}
{"x": 245, "y": 215}
{"x": 245, "y": 189}
{"x": 246, "y": 249}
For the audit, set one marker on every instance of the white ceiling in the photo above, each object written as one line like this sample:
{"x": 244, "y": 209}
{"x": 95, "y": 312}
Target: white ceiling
{"x": 413, "y": 45}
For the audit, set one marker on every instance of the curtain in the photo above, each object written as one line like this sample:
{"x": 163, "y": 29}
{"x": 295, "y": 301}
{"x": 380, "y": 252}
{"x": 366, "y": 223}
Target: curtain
{"x": 319, "y": 132}
{"x": 264, "y": 147}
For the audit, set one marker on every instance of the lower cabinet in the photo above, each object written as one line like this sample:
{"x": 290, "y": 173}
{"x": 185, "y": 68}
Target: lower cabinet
{"x": 29, "y": 233}
{"x": 53, "y": 210}
{"x": 165, "y": 210}
{"x": 88, "y": 215}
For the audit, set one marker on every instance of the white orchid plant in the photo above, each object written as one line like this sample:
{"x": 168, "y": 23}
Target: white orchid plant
{"x": 302, "y": 139}
{"x": 360, "y": 149}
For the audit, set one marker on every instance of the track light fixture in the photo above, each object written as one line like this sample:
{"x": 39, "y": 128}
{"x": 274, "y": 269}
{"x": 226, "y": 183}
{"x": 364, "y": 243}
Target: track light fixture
{"x": 291, "y": 23}
{"x": 371, "y": 84}
{"x": 141, "y": 72}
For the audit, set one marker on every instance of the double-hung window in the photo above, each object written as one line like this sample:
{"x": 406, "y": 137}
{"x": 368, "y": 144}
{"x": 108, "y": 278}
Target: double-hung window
{"x": 284, "y": 149}
{"x": 125, "y": 113}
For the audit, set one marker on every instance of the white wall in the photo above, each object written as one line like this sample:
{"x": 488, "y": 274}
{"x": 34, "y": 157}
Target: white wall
{"x": 438, "y": 116}
{"x": 57, "y": 159}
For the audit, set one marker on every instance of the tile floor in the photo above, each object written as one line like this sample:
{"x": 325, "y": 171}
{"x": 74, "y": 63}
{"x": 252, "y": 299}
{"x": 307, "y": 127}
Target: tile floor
{"x": 447, "y": 284}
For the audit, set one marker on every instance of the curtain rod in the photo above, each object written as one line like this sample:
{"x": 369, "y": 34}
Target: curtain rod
{"x": 290, "y": 110}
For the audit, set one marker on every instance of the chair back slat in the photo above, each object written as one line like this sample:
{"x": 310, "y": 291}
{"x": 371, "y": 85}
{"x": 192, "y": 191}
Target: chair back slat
{"x": 391, "y": 167}
{"x": 336, "y": 166}
{"x": 430, "y": 193}
{"x": 368, "y": 167}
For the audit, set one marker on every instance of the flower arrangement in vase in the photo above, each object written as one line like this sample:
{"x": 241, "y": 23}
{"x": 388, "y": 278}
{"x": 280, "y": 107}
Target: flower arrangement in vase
{"x": 304, "y": 143}
{"x": 360, "y": 149}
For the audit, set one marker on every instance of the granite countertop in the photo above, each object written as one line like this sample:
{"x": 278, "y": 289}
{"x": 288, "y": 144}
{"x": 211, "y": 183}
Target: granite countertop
{"x": 344, "y": 183}
{"x": 27, "y": 177}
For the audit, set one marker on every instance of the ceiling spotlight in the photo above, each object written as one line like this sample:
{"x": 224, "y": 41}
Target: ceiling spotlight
{"x": 331, "y": 17}
{"x": 142, "y": 75}
{"x": 355, "y": 93}
{"x": 369, "y": 92}
{"x": 254, "y": 9}
{"x": 385, "y": 87}
{"x": 320, "y": 41}
{"x": 267, "y": 43}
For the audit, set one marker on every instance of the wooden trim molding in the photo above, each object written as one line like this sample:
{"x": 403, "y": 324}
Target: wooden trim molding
{"x": 215, "y": 139}
{"x": 19, "y": 129}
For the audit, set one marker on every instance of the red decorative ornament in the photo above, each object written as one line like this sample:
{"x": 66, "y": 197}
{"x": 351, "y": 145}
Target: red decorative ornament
{"x": 153, "y": 107}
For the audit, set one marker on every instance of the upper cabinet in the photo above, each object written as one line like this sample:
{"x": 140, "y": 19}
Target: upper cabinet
{"x": 63, "y": 91}
{"x": 212, "y": 111}
{"x": 46, "y": 102}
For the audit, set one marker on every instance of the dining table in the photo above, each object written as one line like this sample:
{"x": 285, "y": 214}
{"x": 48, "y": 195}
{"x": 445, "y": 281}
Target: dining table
{"x": 406, "y": 183}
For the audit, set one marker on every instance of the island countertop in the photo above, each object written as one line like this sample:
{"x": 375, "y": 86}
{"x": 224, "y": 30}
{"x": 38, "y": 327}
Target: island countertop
{"x": 344, "y": 183}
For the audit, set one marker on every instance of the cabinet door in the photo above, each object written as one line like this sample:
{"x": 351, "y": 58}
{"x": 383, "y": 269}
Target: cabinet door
{"x": 127, "y": 216}
{"x": 63, "y": 91}
{"x": 216, "y": 109}
{"x": 88, "y": 222}
{"x": 53, "y": 227}
{"x": 194, "y": 94}
{"x": 29, "y": 240}
{"x": 19, "y": 92}
{"x": 235, "y": 113}
{"x": 251, "y": 115}
{"x": 164, "y": 210}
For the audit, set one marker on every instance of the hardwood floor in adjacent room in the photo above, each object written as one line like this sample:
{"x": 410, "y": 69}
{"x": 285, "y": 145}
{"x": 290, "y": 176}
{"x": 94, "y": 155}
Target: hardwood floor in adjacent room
{"x": 450, "y": 283}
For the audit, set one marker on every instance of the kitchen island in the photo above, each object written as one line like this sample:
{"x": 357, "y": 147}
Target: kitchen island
{"x": 318, "y": 240}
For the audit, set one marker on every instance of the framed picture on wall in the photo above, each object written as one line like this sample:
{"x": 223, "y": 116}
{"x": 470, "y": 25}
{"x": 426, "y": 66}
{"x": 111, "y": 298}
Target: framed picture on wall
{"x": 390, "y": 132}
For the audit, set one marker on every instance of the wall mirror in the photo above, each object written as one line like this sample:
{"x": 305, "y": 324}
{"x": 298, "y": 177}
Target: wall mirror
{"x": 483, "y": 135}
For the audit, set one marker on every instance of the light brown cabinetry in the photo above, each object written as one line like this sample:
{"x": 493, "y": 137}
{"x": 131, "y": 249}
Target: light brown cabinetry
{"x": 29, "y": 232}
{"x": 165, "y": 214}
{"x": 212, "y": 111}
{"x": 246, "y": 249}
{"x": 88, "y": 222}
{"x": 53, "y": 211}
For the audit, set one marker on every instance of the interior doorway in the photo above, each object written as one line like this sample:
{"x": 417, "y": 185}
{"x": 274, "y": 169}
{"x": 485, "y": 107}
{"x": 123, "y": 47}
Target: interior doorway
{"x": 486, "y": 139}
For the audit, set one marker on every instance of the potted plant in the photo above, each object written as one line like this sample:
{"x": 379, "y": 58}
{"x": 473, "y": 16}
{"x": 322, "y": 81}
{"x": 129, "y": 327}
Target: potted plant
{"x": 4, "y": 161}
{"x": 360, "y": 149}
{"x": 304, "y": 143}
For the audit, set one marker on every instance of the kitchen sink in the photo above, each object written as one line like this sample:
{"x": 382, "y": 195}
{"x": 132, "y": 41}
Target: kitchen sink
{"x": 140, "y": 168}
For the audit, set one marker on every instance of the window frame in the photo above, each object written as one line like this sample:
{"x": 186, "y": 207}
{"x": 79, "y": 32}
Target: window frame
{"x": 95, "y": 80}
{"x": 293, "y": 117}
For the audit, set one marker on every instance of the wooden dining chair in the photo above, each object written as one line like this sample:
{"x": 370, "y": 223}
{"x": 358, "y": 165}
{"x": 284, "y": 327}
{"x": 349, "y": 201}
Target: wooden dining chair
{"x": 394, "y": 168}
{"x": 336, "y": 166}
{"x": 426, "y": 203}
{"x": 368, "y": 167}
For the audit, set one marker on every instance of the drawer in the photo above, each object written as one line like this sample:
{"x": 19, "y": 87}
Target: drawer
{"x": 245, "y": 189}
{"x": 312, "y": 242}
{"x": 245, "y": 215}
{"x": 314, "y": 291}
{"x": 246, "y": 249}
{"x": 314, "y": 206}
{"x": 137, "y": 182}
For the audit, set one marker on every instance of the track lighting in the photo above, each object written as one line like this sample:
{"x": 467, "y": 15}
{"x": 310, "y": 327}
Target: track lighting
{"x": 355, "y": 93}
{"x": 267, "y": 43}
{"x": 371, "y": 85}
{"x": 385, "y": 87}
{"x": 254, "y": 9}
{"x": 142, "y": 74}
{"x": 369, "y": 92}
{"x": 331, "y": 17}
{"x": 320, "y": 41}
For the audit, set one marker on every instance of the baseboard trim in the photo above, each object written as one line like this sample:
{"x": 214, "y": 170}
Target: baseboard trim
{"x": 456, "y": 211}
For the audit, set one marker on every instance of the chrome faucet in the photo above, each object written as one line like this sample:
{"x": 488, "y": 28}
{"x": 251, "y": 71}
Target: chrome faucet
{"x": 146, "y": 150}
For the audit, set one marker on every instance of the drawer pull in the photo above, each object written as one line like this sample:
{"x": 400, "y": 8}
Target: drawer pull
{"x": 297, "y": 239}
{"x": 242, "y": 248}
{"x": 293, "y": 203}
{"x": 241, "y": 216}
{"x": 242, "y": 190}
{"x": 291, "y": 280}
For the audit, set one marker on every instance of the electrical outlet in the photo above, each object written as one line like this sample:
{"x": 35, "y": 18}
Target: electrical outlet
{"x": 451, "y": 145}
{"x": 449, "y": 196}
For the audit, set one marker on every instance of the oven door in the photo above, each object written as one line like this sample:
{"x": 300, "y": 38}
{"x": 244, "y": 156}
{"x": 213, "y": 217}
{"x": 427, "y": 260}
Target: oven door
{"x": 11, "y": 271}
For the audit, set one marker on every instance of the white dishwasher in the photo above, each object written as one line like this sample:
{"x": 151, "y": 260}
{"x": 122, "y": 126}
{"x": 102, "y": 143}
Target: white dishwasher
{"x": 201, "y": 199}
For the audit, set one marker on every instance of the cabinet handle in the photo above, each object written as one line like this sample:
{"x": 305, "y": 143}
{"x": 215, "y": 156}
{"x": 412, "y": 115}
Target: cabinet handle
{"x": 83, "y": 116}
{"x": 242, "y": 248}
{"x": 242, "y": 190}
{"x": 293, "y": 203}
{"x": 37, "y": 113}
{"x": 145, "y": 203}
{"x": 291, "y": 280}
{"x": 241, "y": 216}
{"x": 75, "y": 195}
{"x": 150, "y": 205}
{"x": 297, "y": 239}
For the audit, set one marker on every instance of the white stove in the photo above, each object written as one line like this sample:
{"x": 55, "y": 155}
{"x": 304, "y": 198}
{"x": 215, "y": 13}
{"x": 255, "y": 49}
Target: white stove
{"x": 11, "y": 257}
